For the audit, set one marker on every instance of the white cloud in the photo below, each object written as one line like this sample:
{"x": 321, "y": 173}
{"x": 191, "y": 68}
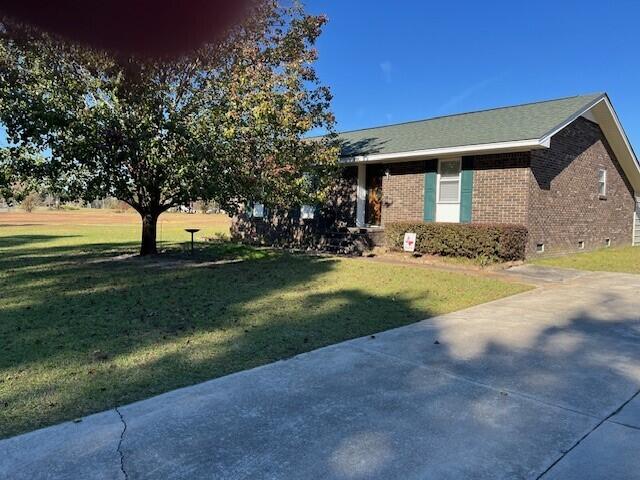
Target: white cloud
{"x": 386, "y": 67}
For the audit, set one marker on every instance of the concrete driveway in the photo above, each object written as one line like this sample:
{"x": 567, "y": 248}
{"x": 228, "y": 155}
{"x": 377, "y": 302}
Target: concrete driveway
{"x": 540, "y": 385}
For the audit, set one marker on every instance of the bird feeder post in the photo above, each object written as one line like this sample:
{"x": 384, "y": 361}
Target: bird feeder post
{"x": 192, "y": 231}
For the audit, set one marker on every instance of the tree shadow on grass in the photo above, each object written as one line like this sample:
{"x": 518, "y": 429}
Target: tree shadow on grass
{"x": 82, "y": 333}
{"x": 22, "y": 240}
{"x": 20, "y": 225}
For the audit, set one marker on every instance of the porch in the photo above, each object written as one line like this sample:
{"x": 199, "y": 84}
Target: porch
{"x": 437, "y": 190}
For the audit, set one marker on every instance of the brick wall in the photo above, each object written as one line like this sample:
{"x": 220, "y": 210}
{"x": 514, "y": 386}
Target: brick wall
{"x": 501, "y": 188}
{"x": 403, "y": 192}
{"x": 564, "y": 205}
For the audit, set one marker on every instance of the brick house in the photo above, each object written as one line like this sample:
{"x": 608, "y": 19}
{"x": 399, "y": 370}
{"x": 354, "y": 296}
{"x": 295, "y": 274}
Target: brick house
{"x": 563, "y": 168}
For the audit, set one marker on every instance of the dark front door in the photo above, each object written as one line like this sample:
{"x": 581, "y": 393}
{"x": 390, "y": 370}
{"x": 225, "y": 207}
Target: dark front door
{"x": 374, "y": 195}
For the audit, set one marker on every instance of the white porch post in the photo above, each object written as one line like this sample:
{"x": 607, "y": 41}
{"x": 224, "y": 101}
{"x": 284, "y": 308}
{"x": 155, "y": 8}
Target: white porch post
{"x": 361, "y": 195}
{"x": 635, "y": 241}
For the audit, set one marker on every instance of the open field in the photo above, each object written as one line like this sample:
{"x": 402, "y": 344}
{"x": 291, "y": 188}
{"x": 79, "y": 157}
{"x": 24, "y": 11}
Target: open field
{"x": 106, "y": 217}
{"x": 624, "y": 260}
{"x": 84, "y": 328}
{"x": 103, "y": 228}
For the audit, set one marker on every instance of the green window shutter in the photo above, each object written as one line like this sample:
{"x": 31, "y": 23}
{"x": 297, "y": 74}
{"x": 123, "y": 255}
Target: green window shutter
{"x": 466, "y": 190}
{"x": 430, "y": 178}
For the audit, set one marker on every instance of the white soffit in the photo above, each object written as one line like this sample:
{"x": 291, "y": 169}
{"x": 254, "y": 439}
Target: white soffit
{"x": 589, "y": 116}
{"x": 514, "y": 146}
{"x": 601, "y": 111}
{"x": 610, "y": 125}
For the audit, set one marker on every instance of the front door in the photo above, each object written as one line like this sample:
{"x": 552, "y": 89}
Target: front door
{"x": 374, "y": 195}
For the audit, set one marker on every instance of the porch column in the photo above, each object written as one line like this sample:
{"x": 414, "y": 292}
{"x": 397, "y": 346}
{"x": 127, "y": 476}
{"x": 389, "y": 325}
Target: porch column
{"x": 361, "y": 199}
{"x": 635, "y": 241}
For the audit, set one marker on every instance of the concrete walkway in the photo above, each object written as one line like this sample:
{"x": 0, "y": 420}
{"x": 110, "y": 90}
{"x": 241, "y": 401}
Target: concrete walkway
{"x": 540, "y": 385}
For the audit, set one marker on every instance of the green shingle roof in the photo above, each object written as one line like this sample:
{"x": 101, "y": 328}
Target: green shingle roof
{"x": 520, "y": 122}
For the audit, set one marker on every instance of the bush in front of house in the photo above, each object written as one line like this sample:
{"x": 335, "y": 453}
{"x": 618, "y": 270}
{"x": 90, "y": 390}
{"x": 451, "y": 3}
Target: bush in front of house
{"x": 486, "y": 242}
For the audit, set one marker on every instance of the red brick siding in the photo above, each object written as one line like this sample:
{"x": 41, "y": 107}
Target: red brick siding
{"x": 501, "y": 188}
{"x": 403, "y": 192}
{"x": 564, "y": 205}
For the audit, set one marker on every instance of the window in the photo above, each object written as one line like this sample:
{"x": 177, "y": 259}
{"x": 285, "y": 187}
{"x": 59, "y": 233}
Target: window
{"x": 602, "y": 182}
{"x": 258, "y": 210}
{"x": 607, "y": 242}
{"x": 581, "y": 244}
{"x": 307, "y": 212}
{"x": 540, "y": 248}
{"x": 449, "y": 181}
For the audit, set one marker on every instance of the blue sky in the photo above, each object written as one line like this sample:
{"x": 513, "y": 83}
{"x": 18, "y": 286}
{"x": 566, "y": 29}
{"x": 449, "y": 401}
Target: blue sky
{"x": 389, "y": 62}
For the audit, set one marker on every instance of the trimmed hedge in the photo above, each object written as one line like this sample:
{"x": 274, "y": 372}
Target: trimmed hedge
{"x": 489, "y": 242}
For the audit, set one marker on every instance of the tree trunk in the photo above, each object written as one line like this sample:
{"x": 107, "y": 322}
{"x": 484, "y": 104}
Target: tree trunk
{"x": 149, "y": 224}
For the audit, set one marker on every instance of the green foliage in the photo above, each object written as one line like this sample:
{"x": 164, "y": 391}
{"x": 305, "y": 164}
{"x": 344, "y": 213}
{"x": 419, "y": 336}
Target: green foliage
{"x": 224, "y": 123}
{"x": 5, "y": 176}
{"x": 486, "y": 242}
{"x": 18, "y": 177}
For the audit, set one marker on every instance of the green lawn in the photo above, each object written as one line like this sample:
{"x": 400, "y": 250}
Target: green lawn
{"x": 625, "y": 260}
{"x": 82, "y": 331}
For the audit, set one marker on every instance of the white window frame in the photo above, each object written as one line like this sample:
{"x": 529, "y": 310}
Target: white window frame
{"x": 307, "y": 212}
{"x": 449, "y": 179}
{"x": 257, "y": 210}
{"x": 602, "y": 181}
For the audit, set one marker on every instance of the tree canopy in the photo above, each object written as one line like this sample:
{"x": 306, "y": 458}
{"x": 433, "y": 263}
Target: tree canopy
{"x": 224, "y": 123}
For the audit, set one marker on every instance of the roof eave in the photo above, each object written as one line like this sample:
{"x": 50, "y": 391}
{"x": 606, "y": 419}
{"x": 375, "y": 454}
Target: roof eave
{"x": 613, "y": 131}
{"x": 602, "y": 110}
{"x": 476, "y": 149}
{"x": 547, "y": 136}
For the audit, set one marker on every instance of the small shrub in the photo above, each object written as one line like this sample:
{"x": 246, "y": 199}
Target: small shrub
{"x": 30, "y": 202}
{"x": 112, "y": 203}
{"x": 487, "y": 242}
{"x": 122, "y": 207}
{"x": 69, "y": 207}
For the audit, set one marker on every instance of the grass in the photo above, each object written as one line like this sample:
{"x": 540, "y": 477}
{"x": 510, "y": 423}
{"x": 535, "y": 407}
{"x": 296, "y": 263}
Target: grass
{"x": 624, "y": 260}
{"x": 84, "y": 328}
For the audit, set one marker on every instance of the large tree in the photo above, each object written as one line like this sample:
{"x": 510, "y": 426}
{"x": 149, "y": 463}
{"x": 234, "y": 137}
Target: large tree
{"x": 223, "y": 123}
